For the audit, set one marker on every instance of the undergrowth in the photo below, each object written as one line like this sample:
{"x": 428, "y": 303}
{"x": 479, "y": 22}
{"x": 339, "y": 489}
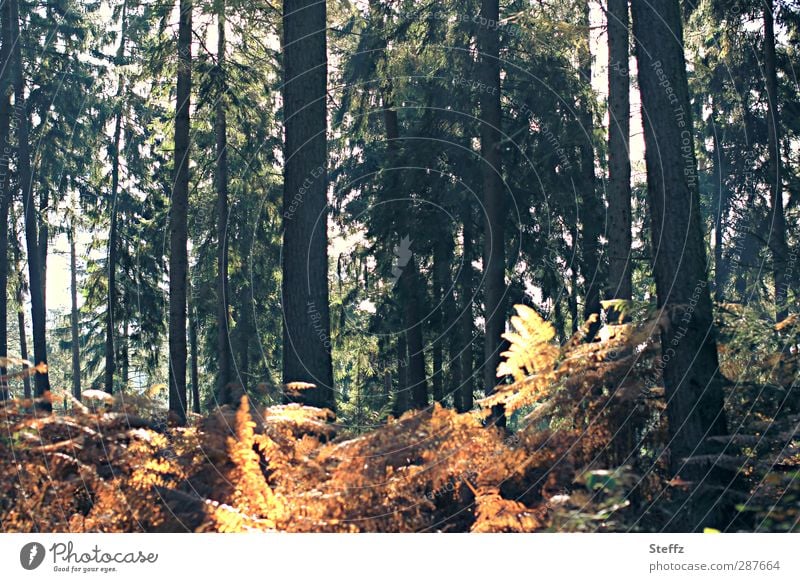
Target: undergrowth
{"x": 587, "y": 454}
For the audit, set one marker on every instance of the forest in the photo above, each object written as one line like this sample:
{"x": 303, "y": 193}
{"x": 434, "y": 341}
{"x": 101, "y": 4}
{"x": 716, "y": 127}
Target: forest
{"x": 399, "y": 265}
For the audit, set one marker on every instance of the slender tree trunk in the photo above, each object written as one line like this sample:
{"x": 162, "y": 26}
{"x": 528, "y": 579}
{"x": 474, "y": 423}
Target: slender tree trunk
{"x": 402, "y": 397}
{"x": 439, "y": 319}
{"x": 221, "y": 129}
{"x": 306, "y": 315}
{"x": 777, "y": 236}
{"x": 125, "y": 355}
{"x": 76, "y": 349}
{"x": 493, "y": 200}
{"x": 44, "y": 239}
{"x": 591, "y": 205}
{"x": 572, "y": 300}
{"x": 410, "y": 282}
{"x": 111, "y": 303}
{"x": 38, "y": 314}
{"x": 5, "y": 182}
{"x": 619, "y": 162}
{"x": 178, "y": 255}
{"x": 195, "y": 364}
{"x": 720, "y": 204}
{"x": 20, "y": 300}
{"x": 692, "y": 383}
{"x": 466, "y": 327}
{"x": 446, "y": 333}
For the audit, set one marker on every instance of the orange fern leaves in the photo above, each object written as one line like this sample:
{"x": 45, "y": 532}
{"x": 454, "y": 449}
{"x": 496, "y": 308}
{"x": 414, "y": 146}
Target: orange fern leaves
{"x": 530, "y": 350}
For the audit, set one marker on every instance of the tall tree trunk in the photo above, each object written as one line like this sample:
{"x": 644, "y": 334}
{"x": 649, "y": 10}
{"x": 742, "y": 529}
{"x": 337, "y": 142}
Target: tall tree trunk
{"x": 125, "y": 355}
{"x": 692, "y": 383}
{"x": 466, "y": 325}
{"x": 720, "y": 210}
{"x": 410, "y": 282}
{"x": 35, "y": 272}
{"x": 111, "y": 302}
{"x": 493, "y": 200}
{"x": 20, "y": 300}
{"x": 76, "y": 349}
{"x": 619, "y": 162}
{"x": 572, "y": 300}
{"x": 446, "y": 330}
{"x": 221, "y": 130}
{"x": 195, "y": 371}
{"x": 44, "y": 239}
{"x": 777, "y": 236}
{"x": 402, "y": 398}
{"x": 5, "y": 182}
{"x": 306, "y": 315}
{"x": 410, "y": 285}
{"x": 178, "y": 255}
{"x": 439, "y": 319}
{"x": 591, "y": 205}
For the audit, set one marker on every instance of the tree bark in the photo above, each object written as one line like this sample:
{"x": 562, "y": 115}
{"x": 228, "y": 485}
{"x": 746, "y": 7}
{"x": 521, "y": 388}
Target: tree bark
{"x": 20, "y": 300}
{"x": 619, "y": 162}
{"x": 401, "y": 398}
{"x": 692, "y": 384}
{"x": 306, "y": 315}
{"x": 446, "y": 332}
{"x": 720, "y": 210}
{"x": 5, "y": 183}
{"x": 466, "y": 325}
{"x": 111, "y": 303}
{"x": 76, "y": 350}
{"x": 591, "y": 210}
{"x": 35, "y": 272}
{"x": 195, "y": 371}
{"x": 777, "y": 236}
{"x": 178, "y": 255}
{"x": 221, "y": 129}
{"x": 493, "y": 200}
{"x": 410, "y": 283}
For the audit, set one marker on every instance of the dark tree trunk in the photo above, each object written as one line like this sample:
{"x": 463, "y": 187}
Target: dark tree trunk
{"x": 410, "y": 285}
{"x": 20, "y": 300}
{"x": 111, "y": 303}
{"x": 125, "y": 355}
{"x": 619, "y": 162}
{"x": 5, "y": 183}
{"x": 76, "y": 349}
{"x": 439, "y": 320}
{"x": 195, "y": 372}
{"x": 35, "y": 271}
{"x": 466, "y": 283}
{"x": 402, "y": 397}
{"x": 445, "y": 314}
{"x": 306, "y": 316}
{"x": 221, "y": 130}
{"x": 493, "y": 200}
{"x": 693, "y": 387}
{"x": 178, "y": 255}
{"x": 591, "y": 204}
{"x": 777, "y": 236}
{"x": 720, "y": 210}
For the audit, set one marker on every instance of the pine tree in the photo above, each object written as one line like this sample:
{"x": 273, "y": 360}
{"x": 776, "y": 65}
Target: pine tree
{"x": 178, "y": 234}
{"x": 693, "y": 385}
{"x": 306, "y": 317}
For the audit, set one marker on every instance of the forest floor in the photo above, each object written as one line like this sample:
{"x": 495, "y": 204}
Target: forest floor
{"x": 583, "y": 457}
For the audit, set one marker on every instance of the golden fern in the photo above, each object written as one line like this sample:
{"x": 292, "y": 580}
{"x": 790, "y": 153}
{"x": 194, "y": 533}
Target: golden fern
{"x": 530, "y": 350}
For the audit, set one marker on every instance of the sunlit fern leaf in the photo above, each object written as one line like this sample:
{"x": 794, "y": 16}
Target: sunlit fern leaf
{"x": 530, "y": 350}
